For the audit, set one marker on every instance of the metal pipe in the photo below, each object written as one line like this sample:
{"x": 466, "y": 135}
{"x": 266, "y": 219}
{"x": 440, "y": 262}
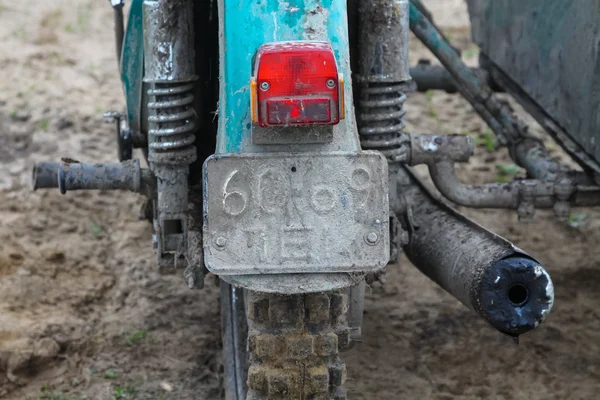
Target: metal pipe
{"x": 45, "y": 175}
{"x": 493, "y": 195}
{"x": 435, "y": 77}
{"x": 427, "y": 149}
{"x": 533, "y": 156}
{"x": 383, "y": 42}
{"x": 488, "y": 274}
{"x": 107, "y": 176}
{"x": 119, "y": 26}
{"x": 523, "y": 195}
{"x": 169, "y": 71}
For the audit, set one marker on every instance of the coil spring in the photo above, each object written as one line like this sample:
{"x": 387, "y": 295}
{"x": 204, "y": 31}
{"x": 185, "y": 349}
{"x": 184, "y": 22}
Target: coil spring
{"x": 382, "y": 121}
{"x": 172, "y": 120}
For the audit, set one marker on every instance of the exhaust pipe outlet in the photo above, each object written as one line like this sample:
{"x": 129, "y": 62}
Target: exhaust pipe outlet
{"x": 488, "y": 274}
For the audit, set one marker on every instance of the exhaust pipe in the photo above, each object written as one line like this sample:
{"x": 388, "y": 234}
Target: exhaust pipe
{"x": 504, "y": 285}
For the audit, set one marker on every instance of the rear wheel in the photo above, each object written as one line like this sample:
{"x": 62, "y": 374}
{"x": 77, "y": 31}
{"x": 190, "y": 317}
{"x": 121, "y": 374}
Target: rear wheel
{"x": 292, "y": 342}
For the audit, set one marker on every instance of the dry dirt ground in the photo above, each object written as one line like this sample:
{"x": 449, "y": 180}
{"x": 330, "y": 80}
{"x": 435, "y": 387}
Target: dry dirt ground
{"x": 85, "y": 314}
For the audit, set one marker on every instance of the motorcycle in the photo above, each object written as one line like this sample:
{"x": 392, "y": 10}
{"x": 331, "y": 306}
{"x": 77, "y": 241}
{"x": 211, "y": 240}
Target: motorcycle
{"x": 278, "y": 160}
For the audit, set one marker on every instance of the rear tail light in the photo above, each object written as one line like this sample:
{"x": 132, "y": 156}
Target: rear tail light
{"x": 296, "y": 84}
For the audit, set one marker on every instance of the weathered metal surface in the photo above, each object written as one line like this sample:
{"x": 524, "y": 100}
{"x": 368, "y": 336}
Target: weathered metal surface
{"x": 294, "y": 283}
{"x": 381, "y": 120}
{"x": 482, "y": 270}
{"x": 247, "y": 24}
{"x": 290, "y": 135}
{"x": 45, "y": 175}
{"x": 384, "y": 30}
{"x": 383, "y": 71}
{"x": 559, "y": 134}
{"x": 550, "y": 49}
{"x": 435, "y": 77}
{"x": 283, "y": 213}
{"x": 68, "y": 176}
{"x": 523, "y": 195}
{"x": 169, "y": 70}
{"x": 536, "y": 160}
{"x": 427, "y": 149}
{"x": 119, "y": 26}
{"x": 168, "y": 40}
{"x": 132, "y": 65}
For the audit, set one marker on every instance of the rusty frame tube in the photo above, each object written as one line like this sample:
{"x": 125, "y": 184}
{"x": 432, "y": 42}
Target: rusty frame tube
{"x": 435, "y": 77}
{"x": 427, "y": 149}
{"x": 476, "y": 266}
{"x": 492, "y": 195}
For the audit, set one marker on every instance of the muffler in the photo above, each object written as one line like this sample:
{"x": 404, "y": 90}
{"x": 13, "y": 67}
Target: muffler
{"x": 504, "y": 285}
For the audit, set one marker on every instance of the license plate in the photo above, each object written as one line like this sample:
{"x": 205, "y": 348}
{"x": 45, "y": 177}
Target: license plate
{"x": 296, "y": 213}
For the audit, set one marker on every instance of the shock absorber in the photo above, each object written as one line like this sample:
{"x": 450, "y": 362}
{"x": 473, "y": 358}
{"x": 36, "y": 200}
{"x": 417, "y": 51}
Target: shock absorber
{"x": 383, "y": 77}
{"x": 170, "y": 74}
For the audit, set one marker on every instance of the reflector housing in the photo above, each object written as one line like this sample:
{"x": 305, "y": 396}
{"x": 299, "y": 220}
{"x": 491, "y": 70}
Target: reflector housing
{"x": 296, "y": 84}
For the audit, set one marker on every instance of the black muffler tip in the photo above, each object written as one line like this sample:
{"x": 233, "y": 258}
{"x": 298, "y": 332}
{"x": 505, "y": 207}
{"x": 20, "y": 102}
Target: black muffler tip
{"x": 515, "y": 295}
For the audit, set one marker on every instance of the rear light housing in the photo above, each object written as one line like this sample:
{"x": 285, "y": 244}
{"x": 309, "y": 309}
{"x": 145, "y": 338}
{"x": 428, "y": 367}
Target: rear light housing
{"x": 296, "y": 84}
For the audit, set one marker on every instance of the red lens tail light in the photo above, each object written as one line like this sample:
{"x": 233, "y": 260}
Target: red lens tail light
{"x": 296, "y": 84}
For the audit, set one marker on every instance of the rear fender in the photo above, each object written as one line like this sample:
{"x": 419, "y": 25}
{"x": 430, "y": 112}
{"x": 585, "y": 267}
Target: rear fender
{"x": 247, "y": 24}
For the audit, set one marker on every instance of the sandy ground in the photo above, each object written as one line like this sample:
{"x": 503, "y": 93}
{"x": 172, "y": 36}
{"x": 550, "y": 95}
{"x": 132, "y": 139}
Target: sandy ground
{"x": 85, "y": 314}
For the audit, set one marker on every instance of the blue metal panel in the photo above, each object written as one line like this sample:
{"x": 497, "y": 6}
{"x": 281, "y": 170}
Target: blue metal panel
{"x": 132, "y": 64}
{"x": 244, "y": 26}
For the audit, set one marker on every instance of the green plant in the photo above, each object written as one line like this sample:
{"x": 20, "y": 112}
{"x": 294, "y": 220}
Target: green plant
{"x": 470, "y": 52}
{"x": 488, "y": 140}
{"x": 577, "y": 220}
{"x": 135, "y": 338}
{"x": 95, "y": 229}
{"x": 505, "y": 172}
{"x": 128, "y": 392}
{"x": 44, "y": 124}
{"x": 111, "y": 374}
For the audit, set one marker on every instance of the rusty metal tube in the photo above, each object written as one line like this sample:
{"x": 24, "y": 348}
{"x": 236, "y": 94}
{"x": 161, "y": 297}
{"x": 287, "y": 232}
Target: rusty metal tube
{"x": 80, "y": 176}
{"x": 45, "y": 175}
{"x": 493, "y": 195}
{"x": 488, "y": 274}
{"x": 435, "y": 77}
{"x": 384, "y": 31}
{"x": 427, "y": 149}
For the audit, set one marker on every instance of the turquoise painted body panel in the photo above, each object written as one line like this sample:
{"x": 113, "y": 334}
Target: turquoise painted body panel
{"x": 132, "y": 65}
{"x": 244, "y": 26}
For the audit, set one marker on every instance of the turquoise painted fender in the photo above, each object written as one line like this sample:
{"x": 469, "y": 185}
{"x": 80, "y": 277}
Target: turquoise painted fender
{"x": 244, "y": 26}
{"x": 132, "y": 65}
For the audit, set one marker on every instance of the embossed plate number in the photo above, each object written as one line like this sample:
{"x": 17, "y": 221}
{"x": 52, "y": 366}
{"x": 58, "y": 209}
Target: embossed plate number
{"x": 295, "y": 213}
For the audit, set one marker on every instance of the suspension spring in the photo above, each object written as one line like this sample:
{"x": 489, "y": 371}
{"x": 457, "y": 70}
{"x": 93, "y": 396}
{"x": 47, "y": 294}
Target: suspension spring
{"x": 172, "y": 122}
{"x": 382, "y": 120}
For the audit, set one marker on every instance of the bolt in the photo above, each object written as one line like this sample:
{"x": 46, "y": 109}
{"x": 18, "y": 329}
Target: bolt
{"x": 404, "y": 238}
{"x": 330, "y": 83}
{"x": 189, "y": 275}
{"x": 265, "y": 86}
{"x": 220, "y": 242}
{"x": 372, "y": 238}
